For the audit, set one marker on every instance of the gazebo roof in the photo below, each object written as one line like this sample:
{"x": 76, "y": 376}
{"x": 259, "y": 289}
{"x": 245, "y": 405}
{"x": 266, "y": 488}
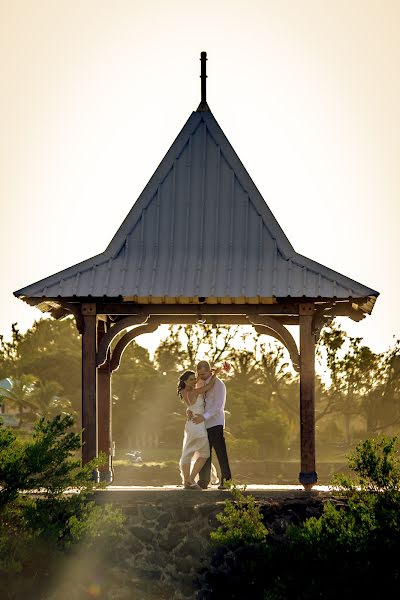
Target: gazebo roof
{"x": 199, "y": 232}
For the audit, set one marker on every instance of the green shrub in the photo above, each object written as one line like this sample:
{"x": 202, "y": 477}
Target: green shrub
{"x": 44, "y": 507}
{"x": 354, "y": 543}
{"x": 239, "y": 553}
{"x": 375, "y": 465}
{"x": 351, "y": 551}
{"x": 240, "y": 522}
{"x": 44, "y": 462}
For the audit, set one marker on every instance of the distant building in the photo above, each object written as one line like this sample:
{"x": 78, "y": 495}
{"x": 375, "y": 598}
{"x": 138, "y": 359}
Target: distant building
{"x": 10, "y": 413}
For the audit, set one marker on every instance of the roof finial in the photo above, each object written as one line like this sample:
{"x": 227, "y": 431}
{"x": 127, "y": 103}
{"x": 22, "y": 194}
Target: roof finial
{"x": 203, "y": 106}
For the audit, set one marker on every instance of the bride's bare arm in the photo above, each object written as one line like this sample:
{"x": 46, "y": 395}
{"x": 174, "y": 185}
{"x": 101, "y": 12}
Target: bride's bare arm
{"x": 209, "y": 385}
{"x": 192, "y": 394}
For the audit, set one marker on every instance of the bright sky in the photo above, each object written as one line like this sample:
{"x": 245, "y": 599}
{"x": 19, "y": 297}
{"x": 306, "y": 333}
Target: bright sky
{"x": 93, "y": 93}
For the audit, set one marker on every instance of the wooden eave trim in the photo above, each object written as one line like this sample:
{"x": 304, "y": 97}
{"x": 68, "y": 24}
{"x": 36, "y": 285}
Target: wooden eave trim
{"x": 283, "y": 306}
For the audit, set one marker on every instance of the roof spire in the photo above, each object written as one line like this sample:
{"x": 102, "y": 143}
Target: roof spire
{"x": 203, "y": 106}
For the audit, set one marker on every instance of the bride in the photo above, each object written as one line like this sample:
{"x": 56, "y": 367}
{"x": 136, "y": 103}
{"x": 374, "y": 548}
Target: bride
{"x": 195, "y": 440}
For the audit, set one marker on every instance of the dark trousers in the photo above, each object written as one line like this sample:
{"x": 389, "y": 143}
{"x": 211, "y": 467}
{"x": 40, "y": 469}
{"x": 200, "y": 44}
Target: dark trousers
{"x": 217, "y": 441}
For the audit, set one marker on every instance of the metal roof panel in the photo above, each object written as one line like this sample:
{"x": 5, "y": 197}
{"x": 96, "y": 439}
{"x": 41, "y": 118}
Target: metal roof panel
{"x": 200, "y": 228}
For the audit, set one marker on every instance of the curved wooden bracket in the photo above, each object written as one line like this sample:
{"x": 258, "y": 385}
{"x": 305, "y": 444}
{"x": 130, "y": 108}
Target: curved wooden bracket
{"x": 122, "y": 344}
{"x": 269, "y": 326}
{"x": 74, "y": 309}
{"x": 320, "y": 319}
{"x": 115, "y": 330}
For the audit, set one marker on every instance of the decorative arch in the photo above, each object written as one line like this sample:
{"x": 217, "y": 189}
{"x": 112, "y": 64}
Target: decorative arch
{"x": 124, "y": 342}
{"x": 147, "y": 324}
{"x": 108, "y": 337}
{"x": 272, "y": 327}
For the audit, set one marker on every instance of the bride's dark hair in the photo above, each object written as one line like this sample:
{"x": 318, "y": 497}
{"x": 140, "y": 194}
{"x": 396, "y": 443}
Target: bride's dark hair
{"x": 182, "y": 380}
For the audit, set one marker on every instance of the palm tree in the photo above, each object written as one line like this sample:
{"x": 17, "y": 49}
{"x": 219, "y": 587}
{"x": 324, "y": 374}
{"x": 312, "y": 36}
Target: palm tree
{"x": 34, "y": 398}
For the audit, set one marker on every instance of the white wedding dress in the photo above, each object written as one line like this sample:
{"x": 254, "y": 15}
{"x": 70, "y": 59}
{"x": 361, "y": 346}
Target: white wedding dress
{"x": 195, "y": 439}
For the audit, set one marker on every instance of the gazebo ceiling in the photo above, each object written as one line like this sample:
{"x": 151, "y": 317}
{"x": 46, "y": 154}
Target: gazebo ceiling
{"x": 199, "y": 232}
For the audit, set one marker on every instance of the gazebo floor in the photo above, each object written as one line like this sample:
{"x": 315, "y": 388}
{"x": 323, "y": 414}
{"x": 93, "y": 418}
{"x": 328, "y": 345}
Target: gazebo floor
{"x": 174, "y": 493}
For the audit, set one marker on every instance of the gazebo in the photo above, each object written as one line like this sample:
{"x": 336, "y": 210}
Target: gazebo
{"x": 199, "y": 245}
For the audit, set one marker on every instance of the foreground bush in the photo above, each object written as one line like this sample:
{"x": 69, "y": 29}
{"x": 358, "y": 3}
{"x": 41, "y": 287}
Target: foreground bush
{"x": 241, "y": 521}
{"x": 239, "y": 551}
{"x": 45, "y": 509}
{"x": 351, "y": 551}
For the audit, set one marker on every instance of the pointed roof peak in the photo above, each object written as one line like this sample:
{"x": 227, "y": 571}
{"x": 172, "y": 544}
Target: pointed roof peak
{"x": 203, "y": 106}
{"x": 200, "y": 229}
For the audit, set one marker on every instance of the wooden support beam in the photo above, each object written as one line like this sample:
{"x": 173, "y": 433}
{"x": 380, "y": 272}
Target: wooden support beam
{"x": 308, "y": 475}
{"x": 105, "y": 419}
{"x": 339, "y": 307}
{"x": 89, "y": 385}
{"x": 59, "y": 313}
{"x": 123, "y": 308}
{"x": 104, "y": 409}
{"x": 348, "y": 309}
{"x": 217, "y": 319}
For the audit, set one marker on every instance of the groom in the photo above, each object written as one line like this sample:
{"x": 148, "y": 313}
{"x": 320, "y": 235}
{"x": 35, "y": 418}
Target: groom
{"x": 214, "y": 417}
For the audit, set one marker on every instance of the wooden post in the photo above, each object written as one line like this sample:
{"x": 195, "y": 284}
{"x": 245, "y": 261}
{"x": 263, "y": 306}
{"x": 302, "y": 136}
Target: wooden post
{"x": 89, "y": 384}
{"x": 104, "y": 420}
{"x": 308, "y": 475}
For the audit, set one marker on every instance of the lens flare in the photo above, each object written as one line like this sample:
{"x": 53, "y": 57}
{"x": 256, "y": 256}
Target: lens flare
{"x": 94, "y": 590}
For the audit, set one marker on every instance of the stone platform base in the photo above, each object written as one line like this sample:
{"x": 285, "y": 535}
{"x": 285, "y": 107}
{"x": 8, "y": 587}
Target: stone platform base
{"x": 168, "y": 531}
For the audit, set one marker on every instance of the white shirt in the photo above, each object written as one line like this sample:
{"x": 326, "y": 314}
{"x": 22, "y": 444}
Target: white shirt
{"x": 214, "y": 413}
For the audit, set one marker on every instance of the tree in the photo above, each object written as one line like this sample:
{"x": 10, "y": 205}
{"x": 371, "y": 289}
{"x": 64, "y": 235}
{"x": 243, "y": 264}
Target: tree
{"x": 34, "y": 398}
{"x": 135, "y": 396}
{"x": 363, "y": 384}
{"x": 186, "y": 345}
{"x": 9, "y": 354}
{"x": 270, "y": 430}
{"x": 49, "y": 353}
{"x": 281, "y": 387}
{"x": 381, "y": 406}
{"x": 51, "y": 350}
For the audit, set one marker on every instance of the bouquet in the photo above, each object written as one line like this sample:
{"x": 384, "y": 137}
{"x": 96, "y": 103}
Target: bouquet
{"x": 226, "y": 366}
